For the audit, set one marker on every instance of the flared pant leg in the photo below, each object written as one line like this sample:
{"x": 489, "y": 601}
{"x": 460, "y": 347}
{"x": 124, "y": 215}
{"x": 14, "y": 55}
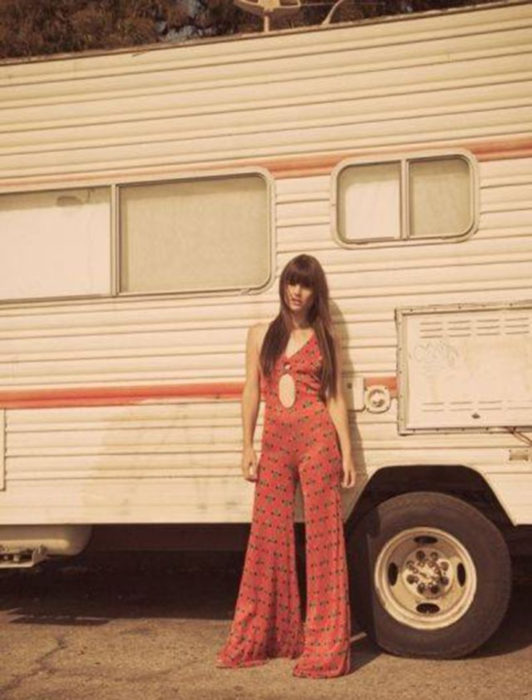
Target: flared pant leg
{"x": 267, "y": 621}
{"x": 328, "y": 620}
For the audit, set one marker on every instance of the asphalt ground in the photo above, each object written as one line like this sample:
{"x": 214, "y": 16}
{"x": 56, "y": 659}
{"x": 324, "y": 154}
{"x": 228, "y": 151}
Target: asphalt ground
{"x": 149, "y": 625}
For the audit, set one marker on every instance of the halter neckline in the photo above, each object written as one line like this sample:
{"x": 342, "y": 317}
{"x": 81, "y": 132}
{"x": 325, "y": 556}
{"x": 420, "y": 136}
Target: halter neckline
{"x": 289, "y": 357}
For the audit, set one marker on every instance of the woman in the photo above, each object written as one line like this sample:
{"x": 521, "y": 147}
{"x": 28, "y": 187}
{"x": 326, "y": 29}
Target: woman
{"x": 296, "y": 359}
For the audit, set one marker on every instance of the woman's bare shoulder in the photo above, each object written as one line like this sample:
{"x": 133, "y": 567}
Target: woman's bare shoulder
{"x": 258, "y": 332}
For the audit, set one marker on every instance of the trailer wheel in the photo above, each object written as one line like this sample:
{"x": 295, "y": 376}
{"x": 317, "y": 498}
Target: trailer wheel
{"x": 430, "y": 576}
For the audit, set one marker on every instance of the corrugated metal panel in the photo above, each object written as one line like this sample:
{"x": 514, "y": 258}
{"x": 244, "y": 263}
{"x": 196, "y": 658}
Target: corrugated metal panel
{"x": 200, "y": 439}
{"x": 455, "y": 76}
{"x": 2, "y": 449}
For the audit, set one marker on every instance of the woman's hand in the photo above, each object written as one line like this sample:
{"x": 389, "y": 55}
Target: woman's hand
{"x": 349, "y": 475}
{"x": 249, "y": 464}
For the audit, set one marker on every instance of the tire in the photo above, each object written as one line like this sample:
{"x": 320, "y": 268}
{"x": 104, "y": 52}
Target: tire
{"x": 471, "y": 576}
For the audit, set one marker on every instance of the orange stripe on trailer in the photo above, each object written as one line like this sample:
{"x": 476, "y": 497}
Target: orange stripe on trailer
{"x": 286, "y": 166}
{"x": 323, "y": 164}
{"x": 390, "y": 382}
{"x": 104, "y": 396}
{"x": 125, "y": 395}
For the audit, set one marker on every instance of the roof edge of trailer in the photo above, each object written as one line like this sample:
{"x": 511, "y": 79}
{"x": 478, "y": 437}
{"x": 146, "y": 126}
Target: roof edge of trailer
{"x": 143, "y": 48}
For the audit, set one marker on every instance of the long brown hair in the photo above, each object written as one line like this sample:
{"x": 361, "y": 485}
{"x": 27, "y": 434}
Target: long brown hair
{"x": 306, "y": 270}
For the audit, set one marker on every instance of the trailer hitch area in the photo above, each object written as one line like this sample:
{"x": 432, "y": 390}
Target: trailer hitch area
{"x": 11, "y": 558}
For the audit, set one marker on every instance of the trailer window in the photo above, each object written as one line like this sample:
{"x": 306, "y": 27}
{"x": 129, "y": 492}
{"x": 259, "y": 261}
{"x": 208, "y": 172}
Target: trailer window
{"x": 440, "y": 197}
{"x": 55, "y": 243}
{"x": 410, "y": 197}
{"x": 205, "y": 234}
{"x": 369, "y": 201}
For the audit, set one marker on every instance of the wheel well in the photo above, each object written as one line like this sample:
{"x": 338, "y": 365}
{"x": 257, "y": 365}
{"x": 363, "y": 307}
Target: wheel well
{"x": 456, "y": 480}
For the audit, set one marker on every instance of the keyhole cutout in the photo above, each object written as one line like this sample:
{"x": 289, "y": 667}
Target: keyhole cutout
{"x": 287, "y": 390}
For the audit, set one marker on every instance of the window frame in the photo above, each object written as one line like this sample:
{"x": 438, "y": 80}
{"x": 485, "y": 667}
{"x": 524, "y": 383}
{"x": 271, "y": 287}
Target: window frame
{"x": 114, "y": 238}
{"x": 404, "y": 159}
{"x": 264, "y": 174}
{"x": 46, "y": 187}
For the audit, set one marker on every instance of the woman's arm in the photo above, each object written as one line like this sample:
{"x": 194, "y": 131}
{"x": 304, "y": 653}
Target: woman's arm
{"x": 338, "y": 411}
{"x": 250, "y": 404}
{"x": 251, "y": 391}
{"x": 338, "y": 407}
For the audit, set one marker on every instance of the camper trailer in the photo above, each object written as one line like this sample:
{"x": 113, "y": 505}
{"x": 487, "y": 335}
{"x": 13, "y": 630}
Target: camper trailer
{"x": 149, "y": 199}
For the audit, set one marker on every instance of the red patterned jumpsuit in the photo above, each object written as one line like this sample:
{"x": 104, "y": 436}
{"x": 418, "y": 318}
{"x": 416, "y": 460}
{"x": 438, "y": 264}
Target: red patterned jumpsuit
{"x": 298, "y": 442}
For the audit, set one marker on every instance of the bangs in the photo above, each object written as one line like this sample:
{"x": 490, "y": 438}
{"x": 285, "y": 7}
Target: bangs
{"x": 301, "y": 277}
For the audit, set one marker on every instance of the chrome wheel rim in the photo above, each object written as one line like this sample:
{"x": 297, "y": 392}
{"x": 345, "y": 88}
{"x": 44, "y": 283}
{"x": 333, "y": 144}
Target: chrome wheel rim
{"x": 425, "y": 578}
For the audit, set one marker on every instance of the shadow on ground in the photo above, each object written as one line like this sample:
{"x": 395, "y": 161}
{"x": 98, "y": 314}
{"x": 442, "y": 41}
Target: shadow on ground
{"x": 93, "y": 589}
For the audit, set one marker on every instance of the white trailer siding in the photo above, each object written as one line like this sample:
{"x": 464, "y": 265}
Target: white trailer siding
{"x": 403, "y": 81}
{"x": 294, "y": 104}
